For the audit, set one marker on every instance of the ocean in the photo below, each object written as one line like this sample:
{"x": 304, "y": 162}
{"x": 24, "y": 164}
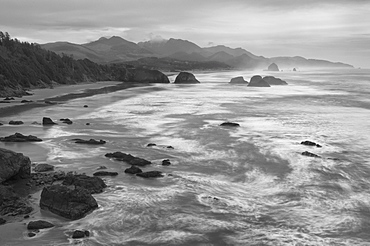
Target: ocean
{"x": 248, "y": 185}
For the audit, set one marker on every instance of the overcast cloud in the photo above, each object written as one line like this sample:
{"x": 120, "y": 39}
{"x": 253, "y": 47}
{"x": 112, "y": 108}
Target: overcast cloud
{"x": 337, "y": 30}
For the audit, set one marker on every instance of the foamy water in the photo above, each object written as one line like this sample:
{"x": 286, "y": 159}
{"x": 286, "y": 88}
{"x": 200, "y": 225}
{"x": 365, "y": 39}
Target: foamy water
{"x": 226, "y": 186}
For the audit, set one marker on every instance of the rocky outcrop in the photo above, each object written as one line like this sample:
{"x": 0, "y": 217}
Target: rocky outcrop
{"x": 67, "y": 202}
{"x": 80, "y": 234}
{"x": 66, "y": 121}
{"x": 43, "y": 168}
{"x": 257, "y": 81}
{"x": 132, "y": 160}
{"x": 273, "y": 67}
{"x": 274, "y": 81}
{"x": 13, "y": 165}
{"x": 18, "y": 137}
{"x": 91, "y": 184}
{"x": 148, "y": 76}
{"x": 11, "y": 203}
{"x": 39, "y": 224}
{"x": 309, "y": 143}
{"x": 166, "y": 162}
{"x": 105, "y": 173}
{"x": 230, "y": 124}
{"x": 294, "y": 70}
{"x": 91, "y": 141}
{"x": 47, "y": 121}
{"x": 150, "y": 174}
{"x": 16, "y": 122}
{"x": 238, "y": 80}
{"x": 309, "y": 154}
{"x": 133, "y": 170}
{"x": 186, "y": 78}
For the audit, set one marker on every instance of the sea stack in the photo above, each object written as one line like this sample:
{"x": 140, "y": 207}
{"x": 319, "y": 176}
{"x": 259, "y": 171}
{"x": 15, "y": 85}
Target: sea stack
{"x": 238, "y": 80}
{"x": 257, "y": 81}
{"x": 186, "y": 78}
{"x": 273, "y": 67}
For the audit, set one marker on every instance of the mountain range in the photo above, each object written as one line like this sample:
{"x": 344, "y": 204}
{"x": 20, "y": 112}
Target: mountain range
{"x": 119, "y": 50}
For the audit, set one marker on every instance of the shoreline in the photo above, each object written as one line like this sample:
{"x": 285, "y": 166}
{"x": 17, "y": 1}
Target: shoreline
{"x": 61, "y": 94}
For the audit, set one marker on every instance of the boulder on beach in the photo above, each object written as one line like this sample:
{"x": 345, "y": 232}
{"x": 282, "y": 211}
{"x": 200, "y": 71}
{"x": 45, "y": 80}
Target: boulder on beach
{"x": 273, "y": 67}
{"x": 105, "y": 173}
{"x": 149, "y": 76}
{"x": 238, "y": 80}
{"x": 133, "y": 170}
{"x": 91, "y": 184}
{"x": 66, "y": 121}
{"x": 233, "y": 124}
{"x": 2, "y": 221}
{"x": 150, "y": 174}
{"x": 186, "y": 78}
{"x": 90, "y": 141}
{"x": 18, "y": 137}
{"x": 26, "y": 101}
{"x": 16, "y": 122}
{"x": 166, "y": 162}
{"x": 43, "y": 167}
{"x": 151, "y": 145}
{"x": 39, "y": 224}
{"x": 310, "y": 143}
{"x": 132, "y": 160}
{"x": 47, "y": 121}
{"x": 80, "y": 234}
{"x": 257, "y": 81}
{"x": 271, "y": 80}
{"x": 67, "y": 202}
{"x": 13, "y": 165}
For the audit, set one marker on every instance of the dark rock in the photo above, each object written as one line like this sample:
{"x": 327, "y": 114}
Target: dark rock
{"x": 170, "y": 147}
{"x": 31, "y": 234}
{"x": 47, "y": 178}
{"x": 238, "y": 80}
{"x": 150, "y": 174}
{"x": 68, "y": 203}
{"x": 2, "y": 221}
{"x": 39, "y": 224}
{"x": 274, "y": 81}
{"x": 9, "y": 98}
{"x": 26, "y": 216}
{"x": 87, "y": 124}
{"x": 1, "y": 124}
{"x": 66, "y": 121}
{"x": 166, "y": 162}
{"x": 91, "y": 141}
{"x": 257, "y": 81}
{"x": 26, "y": 101}
{"x": 128, "y": 158}
{"x": 4, "y": 102}
{"x": 18, "y": 137}
{"x": 11, "y": 203}
{"x": 133, "y": 170}
{"x": 149, "y": 76}
{"x": 13, "y": 165}
{"x": 105, "y": 173}
{"x": 44, "y": 168}
{"x": 151, "y": 145}
{"x": 273, "y": 67}
{"x": 50, "y": 102}
{"x": 80, "y": 234}
{"x": 47, "y": 121}
{"x": 92, "y": 184}
{"x": 186, "y": 78}
{"x": 306, "y": 153}
{"x": 86, "y": 106}
{"x": 309, "y": 143}
{"x": 15, "y": 122}
{"x": 230, "y": 124}
{"x": 294, "y": 70}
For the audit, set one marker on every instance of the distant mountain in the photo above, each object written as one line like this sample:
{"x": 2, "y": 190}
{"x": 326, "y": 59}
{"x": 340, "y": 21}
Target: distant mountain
{"x": 168, "y": 47}
{"x": 119, "y": 50}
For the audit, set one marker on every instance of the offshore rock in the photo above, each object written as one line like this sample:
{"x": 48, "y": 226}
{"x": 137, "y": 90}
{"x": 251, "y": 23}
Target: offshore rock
{"x": 13, "y": 165}
{"x": 15, "y": 122}
{"x": 150, "y": 174}
{"x": 91, "y": 141}
{"x": 18, "y": 137}
{"x": 91, "y": 184}
{"x": 43, "y": 168}
{"x": 273, "y": 67}
{"x": 257, "y": 81}
{"x": 66, "y": 121}
{"x": 132, "y": 160}
{"x": 309, "y": 143}
{"x": 238, "y": 80}
{"x": 186, "y": 78}
{"x": 230, "y": 124}
{"x": 166, "y": 162}
{"x": 105, "y": 173}
{"x": 309, "y": 154}
{"x": 66, "y": 202}
{"x": 149, "y": 76}
{"x": 133, "y": 170}
{"x": 274, "y": 81}
{"x": 80, "y": 234}
{"x": 39, "y": 224}
{"x": 47, "y": 121}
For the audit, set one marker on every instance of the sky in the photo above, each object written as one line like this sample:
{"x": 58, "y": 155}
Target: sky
{"x": 335, "y": 30}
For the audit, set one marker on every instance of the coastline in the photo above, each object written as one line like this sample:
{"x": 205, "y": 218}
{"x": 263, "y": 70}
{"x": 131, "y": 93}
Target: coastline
{"x": 61, "y": 94}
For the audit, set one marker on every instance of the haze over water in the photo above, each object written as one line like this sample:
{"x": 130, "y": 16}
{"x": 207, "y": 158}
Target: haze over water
{"x": 226, "y": 186}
